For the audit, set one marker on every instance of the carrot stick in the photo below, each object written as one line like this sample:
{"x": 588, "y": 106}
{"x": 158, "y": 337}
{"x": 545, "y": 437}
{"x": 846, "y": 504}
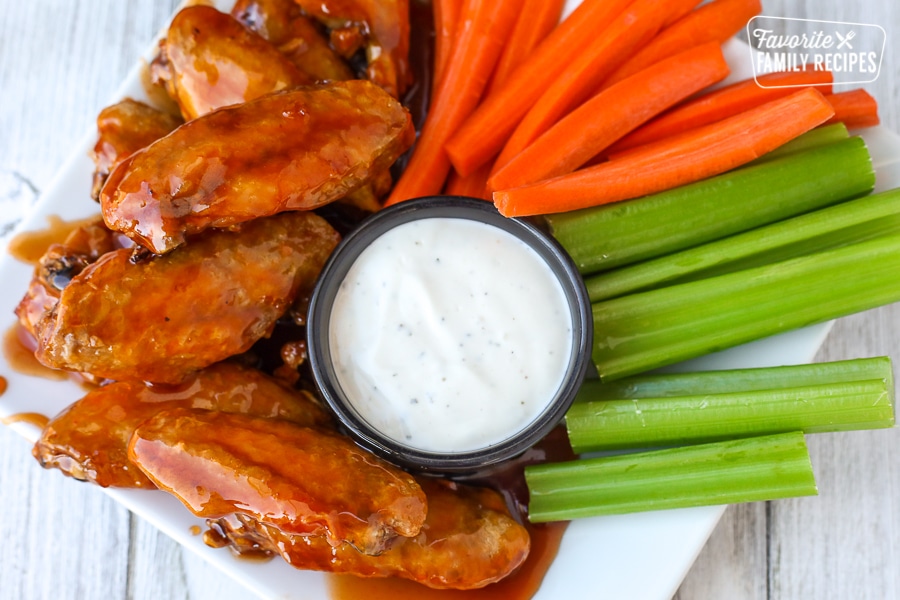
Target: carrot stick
{"x": 855, "y": 109}
{"x": 446, "y": 23}
{"x": 635, "y": 26}
{"x": 693, "y": 156}
{"x": 679, "y": 14}
{"x": 538, "y": 18}
{"x": 713, "y": 22}
{"x": 722, "y": 103}
{"x": 609, "y": 115}
{"x": 484, "y": 29}
{"x": 473, "y": 185}
{"x": 485, "y": 131}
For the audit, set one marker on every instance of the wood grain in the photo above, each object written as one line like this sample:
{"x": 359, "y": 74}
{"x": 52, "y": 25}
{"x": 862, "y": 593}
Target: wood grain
{"x": 62, "y": 61}
{"x": 844, "y": 543}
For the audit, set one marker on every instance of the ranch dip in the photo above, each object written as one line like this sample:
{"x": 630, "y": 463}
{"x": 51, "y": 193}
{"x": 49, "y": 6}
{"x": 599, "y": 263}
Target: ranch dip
{"x": 450, "y": 335}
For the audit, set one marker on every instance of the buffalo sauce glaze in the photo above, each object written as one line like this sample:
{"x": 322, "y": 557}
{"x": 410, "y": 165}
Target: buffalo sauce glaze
{"x": 29, "y": 247}
{"x": 506, "y": 478}
{"x": 509, "y": 479}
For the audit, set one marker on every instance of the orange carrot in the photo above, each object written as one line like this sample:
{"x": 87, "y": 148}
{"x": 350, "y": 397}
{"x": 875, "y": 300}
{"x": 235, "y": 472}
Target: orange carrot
{"x": 446, "y": 23}
{"x": 538, "y": 18}
{"x": 485, "y": 131}
{"x": 473, "y": 185}
{"x": 679, "y": 14}
{"x": 609, "y": 115}
{"x": 713, "y": 22}
{"x": 693, "y": 156}
{"x": 633, "y": 27}
{"x": 722, "y": 103}
{"x": 855, "y": 109}
{"x": 485, "y": 27}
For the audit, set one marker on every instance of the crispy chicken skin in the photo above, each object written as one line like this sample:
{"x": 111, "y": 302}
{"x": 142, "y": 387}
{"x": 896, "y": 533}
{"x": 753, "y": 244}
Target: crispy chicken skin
{"x": 301, "y": 480}
{"x": 209, "y": 60}
{"x": 469, "y": 540}
{"x": 291, "y": 150}
{"x": 161, "y": 318}
{"x": 283, "y": 23}
{"x": 382, "y": 26}
{"x": 124, "y": 128}
{"x": 89, "y": 439}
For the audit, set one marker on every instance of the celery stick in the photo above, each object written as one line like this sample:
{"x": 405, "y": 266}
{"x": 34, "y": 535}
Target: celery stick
{"x": 667, "y": 385}
{"x": 811, "y": 139}
{"x": 743, "y": 470}
{"x": 643, "y": 331}
{"x": 677, "y": 420}
{"x": 621, "y": 233}
{"x": 849, "y": 222}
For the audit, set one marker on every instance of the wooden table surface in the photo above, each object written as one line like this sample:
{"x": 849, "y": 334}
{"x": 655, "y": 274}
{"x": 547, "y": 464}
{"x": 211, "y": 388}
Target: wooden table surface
{"x": 60, "y": 63}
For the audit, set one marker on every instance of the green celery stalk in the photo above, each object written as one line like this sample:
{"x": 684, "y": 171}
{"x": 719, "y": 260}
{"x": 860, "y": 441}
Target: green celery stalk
{"x": 643, "y": 331}
{"x": 846, "y": 223}
{"x": 813, "y": 138}
{"x": 667, "y": 385}
{"x": 706, "y": 417}
{"x": 743, "y": 470}
{"x": 622, "y": 233}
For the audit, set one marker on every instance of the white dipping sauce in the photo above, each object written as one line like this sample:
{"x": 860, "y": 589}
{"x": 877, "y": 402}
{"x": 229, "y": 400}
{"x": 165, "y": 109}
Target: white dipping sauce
{"x": 450, "y": 335}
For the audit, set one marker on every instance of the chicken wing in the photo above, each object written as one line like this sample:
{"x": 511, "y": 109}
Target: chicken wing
{"x": 124, "y": 128}
{"x": 209, "y": 60}
{"x": 381, "y": 25}
{"x": 161, "y": 318}
{"x": 298, "y": 479}
{"x": 56, "y": 267}
{"x": 290, "y": 150}
{"x": 89, "y": 439}
{"x": 283, "y": 23}
{"x": 468, "y": 540}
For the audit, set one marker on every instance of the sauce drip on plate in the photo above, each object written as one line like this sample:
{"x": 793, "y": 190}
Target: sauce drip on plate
{"x": 18, "y": 350}
{"x": 37, "y": 419}
{"x": 29, "y": 246}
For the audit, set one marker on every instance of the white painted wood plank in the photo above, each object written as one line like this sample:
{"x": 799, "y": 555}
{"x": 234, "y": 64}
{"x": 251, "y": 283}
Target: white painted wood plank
{"x": 845, "y": 543}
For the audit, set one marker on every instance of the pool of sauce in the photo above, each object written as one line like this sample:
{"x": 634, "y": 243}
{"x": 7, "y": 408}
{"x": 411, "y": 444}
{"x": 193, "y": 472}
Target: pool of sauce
{"x": 30, "y": 246}
{"x": 18, "y": 350}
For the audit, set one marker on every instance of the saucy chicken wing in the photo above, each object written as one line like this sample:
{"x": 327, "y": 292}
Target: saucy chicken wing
{"x": 469, "y": 540}
{"x": 290, "y": 150}
{"x": 124, "y": 128}
{"x": 89, "y": 439}
{"x": 300, "y": 480}
{"x": 381, "y": 25}
{"x": 160, "y": 318}
{"x": 209, "y": 60}
{"x": 283, "y": 23}
{"x": 62, "y": 261}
